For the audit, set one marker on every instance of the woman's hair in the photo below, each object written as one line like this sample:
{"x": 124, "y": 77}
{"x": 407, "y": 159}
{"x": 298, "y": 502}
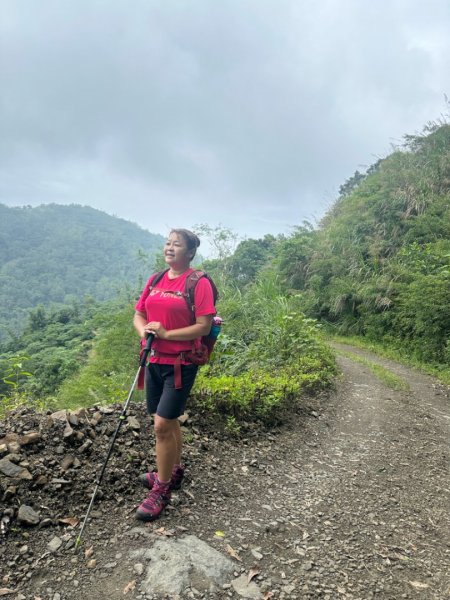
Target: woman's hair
{"x": 192, "y": 240}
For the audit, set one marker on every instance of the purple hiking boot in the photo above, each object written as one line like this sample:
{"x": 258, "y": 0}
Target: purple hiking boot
{"x": 157, "y": 500}
{"x": 148, "y": 479}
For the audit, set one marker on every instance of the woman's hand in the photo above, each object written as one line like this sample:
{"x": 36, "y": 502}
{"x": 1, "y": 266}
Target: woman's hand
{"x": 157, "y": 329}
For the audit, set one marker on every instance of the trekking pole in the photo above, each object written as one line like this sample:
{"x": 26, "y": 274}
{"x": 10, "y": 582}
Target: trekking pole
{"x": 142, "y": 362}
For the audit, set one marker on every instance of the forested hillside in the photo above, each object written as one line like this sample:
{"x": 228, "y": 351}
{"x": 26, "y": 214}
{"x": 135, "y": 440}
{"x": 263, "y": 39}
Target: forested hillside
{"x": 56, "y": 254}
{"x": 379, "y": 264}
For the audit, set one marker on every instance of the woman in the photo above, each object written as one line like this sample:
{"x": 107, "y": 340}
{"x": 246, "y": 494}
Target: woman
{"x": 163, "y": 311}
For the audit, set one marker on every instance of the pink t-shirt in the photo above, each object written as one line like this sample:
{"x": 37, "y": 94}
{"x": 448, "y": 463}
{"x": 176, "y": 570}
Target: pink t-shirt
{"x": 164, "y": 305}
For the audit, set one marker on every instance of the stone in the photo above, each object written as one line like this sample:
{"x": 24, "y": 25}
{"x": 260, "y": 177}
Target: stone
{"x": 80, "y": 413}
{"x": 68, "y": 432}
{"x": 73, "y": 419}
{"x": 10, "y": 492}
{"x": 246, "y": 589}
{"x": 30, "y": 438}
{"x": 138, "y": 568}
{"x": 54, "y": 544}
{"x": 14, "y": 457}
{"x": 27, "y": 515}
{"x": 85, "y": 447}
{"x": 41, "y": 480}
{"x": 174, "y": 561}
{"x": 59, "y": 415}
{"x": 14, "y": 447}
{"x": 67, "y": 462}
{"x": 184, "y": 418}
{"x": 133, "y": 423}
{"x": 3, "y": 449}
{"x": 9, "y": 469}
{"x": 8, "y": 438}
{"x": 25, "y": 474}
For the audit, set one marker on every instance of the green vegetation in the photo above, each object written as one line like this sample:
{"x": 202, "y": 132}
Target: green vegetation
{"x": 269, "y": 355}
{"x": 377, "y": 269}
{"x": 379, "y": 265}
{"x": 58, "y": 254}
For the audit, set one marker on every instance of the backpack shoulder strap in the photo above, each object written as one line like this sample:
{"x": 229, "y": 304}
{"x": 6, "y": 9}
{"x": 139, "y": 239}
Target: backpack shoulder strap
{"x": 157, "y": 278}
{"x": 189, "y": 291}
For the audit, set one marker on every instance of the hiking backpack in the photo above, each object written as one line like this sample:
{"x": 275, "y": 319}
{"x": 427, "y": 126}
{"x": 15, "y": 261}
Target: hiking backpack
{"x": 201, "y": 352}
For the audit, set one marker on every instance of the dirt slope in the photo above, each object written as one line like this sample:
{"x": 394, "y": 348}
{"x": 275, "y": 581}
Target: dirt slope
{"x": 350, "y": 500}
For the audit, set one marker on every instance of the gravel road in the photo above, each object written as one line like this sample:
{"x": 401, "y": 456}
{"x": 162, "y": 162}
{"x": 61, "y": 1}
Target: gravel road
{"x": 349, "y": 500}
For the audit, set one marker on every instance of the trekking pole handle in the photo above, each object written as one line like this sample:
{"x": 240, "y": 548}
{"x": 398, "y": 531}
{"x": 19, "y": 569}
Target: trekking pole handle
{"x": 150, "y": 337}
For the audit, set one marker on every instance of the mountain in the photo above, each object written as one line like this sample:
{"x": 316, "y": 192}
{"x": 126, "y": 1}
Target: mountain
{"x": 379, "y": 264}
{"x": 56, "y": 254}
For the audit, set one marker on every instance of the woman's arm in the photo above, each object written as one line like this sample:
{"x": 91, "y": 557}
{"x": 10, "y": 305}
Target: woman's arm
{"x": 201, "y": 327}
{"x": 139, "y": 322}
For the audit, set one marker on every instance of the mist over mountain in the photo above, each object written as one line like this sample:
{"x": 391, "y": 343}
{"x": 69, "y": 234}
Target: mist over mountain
{"x": 56, "y": 254}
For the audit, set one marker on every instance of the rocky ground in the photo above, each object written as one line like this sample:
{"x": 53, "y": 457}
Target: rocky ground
{"x": 350, "y": 499}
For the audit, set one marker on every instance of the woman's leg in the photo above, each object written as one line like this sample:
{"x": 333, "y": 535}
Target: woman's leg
{"x": 168, "y": 448}
{"x": 179, "y": 441}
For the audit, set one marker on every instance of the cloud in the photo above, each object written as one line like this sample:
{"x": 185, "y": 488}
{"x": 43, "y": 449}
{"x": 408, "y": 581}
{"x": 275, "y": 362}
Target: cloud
{"x": 250, "y": 113}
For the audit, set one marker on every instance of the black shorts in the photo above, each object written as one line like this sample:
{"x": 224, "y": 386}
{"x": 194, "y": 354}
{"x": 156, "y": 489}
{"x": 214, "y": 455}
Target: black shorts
{"x": 162, "y": 397}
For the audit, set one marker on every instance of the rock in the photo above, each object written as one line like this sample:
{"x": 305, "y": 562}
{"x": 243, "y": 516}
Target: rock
{"x": 54, "y": 544}
{"x": 133, "y": 423}
{"x": 30, "y": 438}
{"x": 96, "y": 418}
{"x": 67, "y": 462}
{"x": 14, "y": 457}
{"x": 256, "y": 554}
{"x": 10, "y": 492}
{"x": 85, "y": 447}
{"x": 246, "y": 589}
{"x": 8, "y": 468}
{"x": 14, "y": 447}
{"x": 73, "y": 419}
{"x": 25, "y": 474}
{"x": 184, "y": 418}
{"x": 68, "y": 432}
{"x": 92, "y": 564}
{"x": 23, "y": 549}
{"x": 173, "y": 561}
{"x": 3, "y": 449}
{"x": 59, "y": 415}
{"x": 80, "y": 413}
{"x": 138, "y": 568}
{"x": 45, "y": 523}
{"x": 8, "y": 438}
{"x": 27, "y": 515}
{"x": 41, "y": 480}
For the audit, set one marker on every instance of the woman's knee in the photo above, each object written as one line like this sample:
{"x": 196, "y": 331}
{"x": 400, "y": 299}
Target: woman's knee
{"x": 164, "y": 428}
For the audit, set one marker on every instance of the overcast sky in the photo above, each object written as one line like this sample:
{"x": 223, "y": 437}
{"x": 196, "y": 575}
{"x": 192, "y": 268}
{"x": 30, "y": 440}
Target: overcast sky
{"x": 248, "y": 113}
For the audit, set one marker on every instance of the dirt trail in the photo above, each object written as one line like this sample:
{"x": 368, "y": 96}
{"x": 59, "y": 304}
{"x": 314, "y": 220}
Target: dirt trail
{"x": 350, "y": 500}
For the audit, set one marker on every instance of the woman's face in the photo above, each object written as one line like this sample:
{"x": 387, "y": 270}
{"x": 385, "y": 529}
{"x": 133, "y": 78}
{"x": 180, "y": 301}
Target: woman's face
{"x": 176, "y": 253}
